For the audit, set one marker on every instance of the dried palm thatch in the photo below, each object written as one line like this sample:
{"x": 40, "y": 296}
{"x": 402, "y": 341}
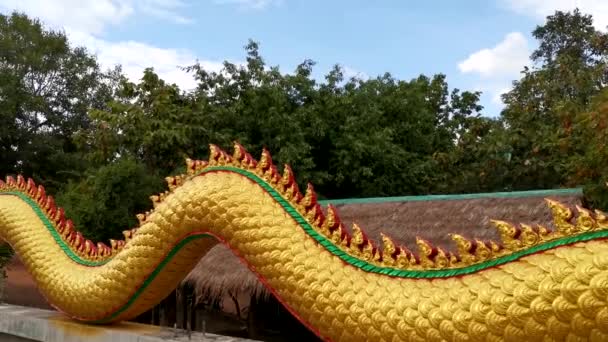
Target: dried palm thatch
{"x": 221, "y": 274}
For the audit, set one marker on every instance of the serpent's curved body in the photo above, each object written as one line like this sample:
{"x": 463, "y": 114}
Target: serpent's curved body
{"x": 534, "y": 285}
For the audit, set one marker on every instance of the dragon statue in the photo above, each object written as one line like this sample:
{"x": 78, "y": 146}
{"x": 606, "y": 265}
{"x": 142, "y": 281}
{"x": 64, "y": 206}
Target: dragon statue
{"x": 535, "y": 284}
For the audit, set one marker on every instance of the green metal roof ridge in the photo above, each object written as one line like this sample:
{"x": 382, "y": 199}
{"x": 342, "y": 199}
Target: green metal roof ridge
{"x": 505, "y": 194}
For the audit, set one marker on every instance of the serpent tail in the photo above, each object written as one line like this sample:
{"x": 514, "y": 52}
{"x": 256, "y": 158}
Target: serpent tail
{"x": 535, "y": 284}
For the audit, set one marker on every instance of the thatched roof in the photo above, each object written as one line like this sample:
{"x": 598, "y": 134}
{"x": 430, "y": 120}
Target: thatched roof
{"x": 220, "y": 273}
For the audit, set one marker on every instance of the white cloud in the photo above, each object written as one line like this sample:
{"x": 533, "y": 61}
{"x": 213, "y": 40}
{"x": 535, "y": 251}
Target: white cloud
{"x": 136, "y": 56}
{"x": 507, "y": 58}
{"x": 87, "y": 16}
{"x": 496, "y": 67}
{"x": 253, "y": 4}
{"x": 85, "y": 21}
{"x": 349, "y": 72}
{"x": 540, "y": 9}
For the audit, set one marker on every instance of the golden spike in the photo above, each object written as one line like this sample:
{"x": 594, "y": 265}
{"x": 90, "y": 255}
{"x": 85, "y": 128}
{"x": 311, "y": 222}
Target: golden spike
{"x": 425, "y": 253}
{"x": 240, "y": 157}
{"x": 289, "y": 192}
{"x": 454, "y": 261}
{"x": 264, "y": 162}
{"x": 482, "y": 251}
{"x": 214, "y": 155}
{"x": 171, "y": 182}
{"x": 388, "y": 250}
{"x": 179, "y": 180}
{"x": 585, "y": 221}
{"x": 494, "y": 247}
{"x": 601, "y": 218}
{"x": 316, "y": 215}
{"x": 404, "y": 259}
{"x": 507, "y": 232}
{"x": 190, "y": 166}
{"x": 201, "y": 164}
{"x": 336, "y": 237}
{"x": 155, "y": 200}
{"x": 357, "y": 237}
{"x": 367, "y": 252}
{"x": 217, "y": 156}
{"x": 288, "y": 177}
{"x": 441, "y": 259}
{"x": 271, "y": 175}
{"x": 331, "y": 222}
{"x": 310, "y": 198}
{"x": 561, "y": 217}
{"x": 141, "y": 218}
{"x": 544, "y": 233}
{"x": 127, "y": 234}
{"x": 528, "y": 236}
{"x": 464, "y": 247}
{"x": 376, "y": 255}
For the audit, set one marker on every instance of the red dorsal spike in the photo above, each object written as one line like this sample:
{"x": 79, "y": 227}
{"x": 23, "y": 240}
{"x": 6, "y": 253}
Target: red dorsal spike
{"x": 31, "y": 187}
{"x": 50, "y": 206}
{"x": 59, "y": 215}
{"x": 10, "y": 181}
{"x": 89, "y": 247}
{"x": 102, "y": 249}
{"x": 41, "y": 195}
{"x": 61, "y": 226}
{"x": 78, "y": 240}
{"x": 2, "y": 184}
{"x": 69, "y": 225}
{"x": 21, "y": 182}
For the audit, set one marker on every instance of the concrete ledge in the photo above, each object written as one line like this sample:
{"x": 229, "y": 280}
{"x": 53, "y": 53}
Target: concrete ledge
{"x": 51, "y": 326}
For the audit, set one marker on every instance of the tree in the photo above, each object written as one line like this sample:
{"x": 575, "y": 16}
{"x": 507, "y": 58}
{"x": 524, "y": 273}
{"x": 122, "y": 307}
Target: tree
{"x": 570, "y": 68}
{"x": 152, "y": 122}
{"x": 46, "y": 90}
{"x": 105, "y": 201}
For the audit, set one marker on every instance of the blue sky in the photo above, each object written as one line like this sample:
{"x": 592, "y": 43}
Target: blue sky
{"x": 479, "y": 45}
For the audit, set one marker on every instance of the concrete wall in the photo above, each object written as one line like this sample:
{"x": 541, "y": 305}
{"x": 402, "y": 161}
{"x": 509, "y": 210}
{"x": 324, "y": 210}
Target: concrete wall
{"x": 50, "y": 326}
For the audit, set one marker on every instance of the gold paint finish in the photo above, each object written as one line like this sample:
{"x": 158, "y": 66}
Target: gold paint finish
{"x": 556, "y": 295}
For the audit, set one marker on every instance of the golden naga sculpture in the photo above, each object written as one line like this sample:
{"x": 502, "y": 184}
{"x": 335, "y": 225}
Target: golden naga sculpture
{"x": 533, "y": 285}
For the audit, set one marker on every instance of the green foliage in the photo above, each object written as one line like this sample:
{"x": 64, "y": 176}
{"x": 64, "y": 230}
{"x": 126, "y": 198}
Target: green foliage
{"x": 104, "y": 203}
{"x": 6, "y": 254}
{"x": 108, "y": 142}
{"x": 46, "y": 89}
{"x": 569, "y": 71}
